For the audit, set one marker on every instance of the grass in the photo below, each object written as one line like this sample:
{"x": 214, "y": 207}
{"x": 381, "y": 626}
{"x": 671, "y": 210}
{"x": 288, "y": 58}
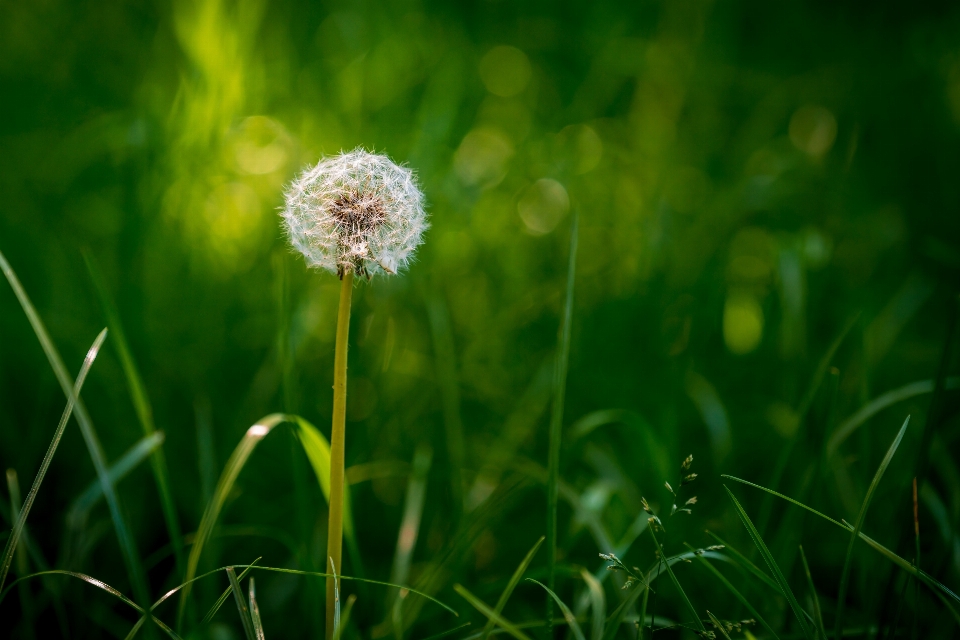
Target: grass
{"x": 591, "y": 597}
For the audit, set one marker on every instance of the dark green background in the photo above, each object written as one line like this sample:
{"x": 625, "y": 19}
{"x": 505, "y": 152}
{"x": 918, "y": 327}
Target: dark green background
{"x": 731, "y": 162}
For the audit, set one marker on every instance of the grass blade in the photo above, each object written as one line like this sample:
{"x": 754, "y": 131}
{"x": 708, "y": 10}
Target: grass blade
{"x": 771, "y": 564}
{"x": 598, "y": 602}
{"x": 21, "y": 520}
{"x": 719, "y": 625}
{"x": 556, "y": 418}
{"x": 817, "y": 613}
{"x": 736, "y": 593}
{"x": 498, "y": 619}
{"x": 128, "y": 549}
{"x": 567, "y": 614}
{"x": 241, "y": 605}
{"x": 845, "y": 574}
{"x": 929, "y": 580}
{"x": 676, "y": 583}
{"x": 508, "y": 591}
{"x": 124, "y": 465}
{"x": 141, "y": 403}
{"x": 223, "y": 597}
{"x": 237, "y": 460}
{"x": 255, "y": 613}
{"x": 745, "y": 562}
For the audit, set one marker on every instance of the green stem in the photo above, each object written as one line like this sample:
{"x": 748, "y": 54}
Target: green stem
{"x": 335, "y": 522}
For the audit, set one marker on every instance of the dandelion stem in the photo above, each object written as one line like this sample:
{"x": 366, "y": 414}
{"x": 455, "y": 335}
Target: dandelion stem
{"x": 335, "y": 522}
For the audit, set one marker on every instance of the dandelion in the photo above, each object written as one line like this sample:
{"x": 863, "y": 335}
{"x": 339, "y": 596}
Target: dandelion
{"x": 355, "y": 213}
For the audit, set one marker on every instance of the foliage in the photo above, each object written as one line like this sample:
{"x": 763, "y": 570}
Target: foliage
{"x": 767, "y": 256}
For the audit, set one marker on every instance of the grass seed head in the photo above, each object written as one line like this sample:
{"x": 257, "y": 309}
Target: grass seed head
{"x": 355, "y": 211}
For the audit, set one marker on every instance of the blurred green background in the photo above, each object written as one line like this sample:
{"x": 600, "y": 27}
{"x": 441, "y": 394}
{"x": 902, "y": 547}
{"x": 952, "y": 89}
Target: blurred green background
{"x": 749, "y": 176}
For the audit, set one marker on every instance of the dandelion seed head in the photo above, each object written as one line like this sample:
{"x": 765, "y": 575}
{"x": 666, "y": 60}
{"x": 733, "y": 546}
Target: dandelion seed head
{"x": 355, "y": 211}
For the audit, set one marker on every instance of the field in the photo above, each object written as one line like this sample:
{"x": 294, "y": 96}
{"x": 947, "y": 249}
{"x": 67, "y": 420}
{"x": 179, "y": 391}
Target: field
{"x": 676, "y": 358}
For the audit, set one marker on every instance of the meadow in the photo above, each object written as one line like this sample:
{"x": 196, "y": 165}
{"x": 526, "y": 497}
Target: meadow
{"x": 677, "y": 357}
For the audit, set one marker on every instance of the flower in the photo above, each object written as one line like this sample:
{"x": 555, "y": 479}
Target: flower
{"x": 356, "y": 211}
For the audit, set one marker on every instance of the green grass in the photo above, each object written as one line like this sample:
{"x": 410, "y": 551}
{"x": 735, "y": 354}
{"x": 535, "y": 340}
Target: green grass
{"x": 656, "y": 229}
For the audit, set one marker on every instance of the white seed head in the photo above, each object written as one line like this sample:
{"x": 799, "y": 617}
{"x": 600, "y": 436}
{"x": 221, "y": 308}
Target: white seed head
{"x": 356, "y": 211}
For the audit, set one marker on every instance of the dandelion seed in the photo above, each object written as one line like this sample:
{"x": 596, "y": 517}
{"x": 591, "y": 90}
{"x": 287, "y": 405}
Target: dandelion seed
{"x": 357, "y": 212}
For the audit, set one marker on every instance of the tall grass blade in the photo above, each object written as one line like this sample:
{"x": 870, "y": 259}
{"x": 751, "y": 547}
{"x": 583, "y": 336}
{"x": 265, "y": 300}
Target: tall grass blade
{"x": 446, "y": 363}
{"x": 565, "y": 610}
{"x": 21, "y": 520}
{"x": 345, "y": 616}
{"x": 929, "y": 580}
{"x": 598, "y": 602}
{"x": 736, "y": 593}
{"x": 556, "y": 418}
{"x": 771, "y": 564}
{"x": 136, "y": 454}
{"x": 128, "y": 549}
{"x": 237, "y": 460}
{"x": 848, "y": 560}
{"x": 511, "y": 585}
{"x": 241, "y": 605}
{"x": 745, "y": 562}
{"x": 498, "y": 619}
{"x": 255, "y": 613}
{"x": 676, "y": 583}
{"x": 141, "y": 403}
{"x": 817, "y": 613}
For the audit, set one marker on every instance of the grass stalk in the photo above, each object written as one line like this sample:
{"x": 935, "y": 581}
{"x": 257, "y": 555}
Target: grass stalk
{"x": 20, "y": 519}
{"x": 141, "y": 403}
{"x": 337, "y": 434}
{"x": 556, "y": 422}
{"x": 855, "y": 533}
{"x": 128, "y": 548}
